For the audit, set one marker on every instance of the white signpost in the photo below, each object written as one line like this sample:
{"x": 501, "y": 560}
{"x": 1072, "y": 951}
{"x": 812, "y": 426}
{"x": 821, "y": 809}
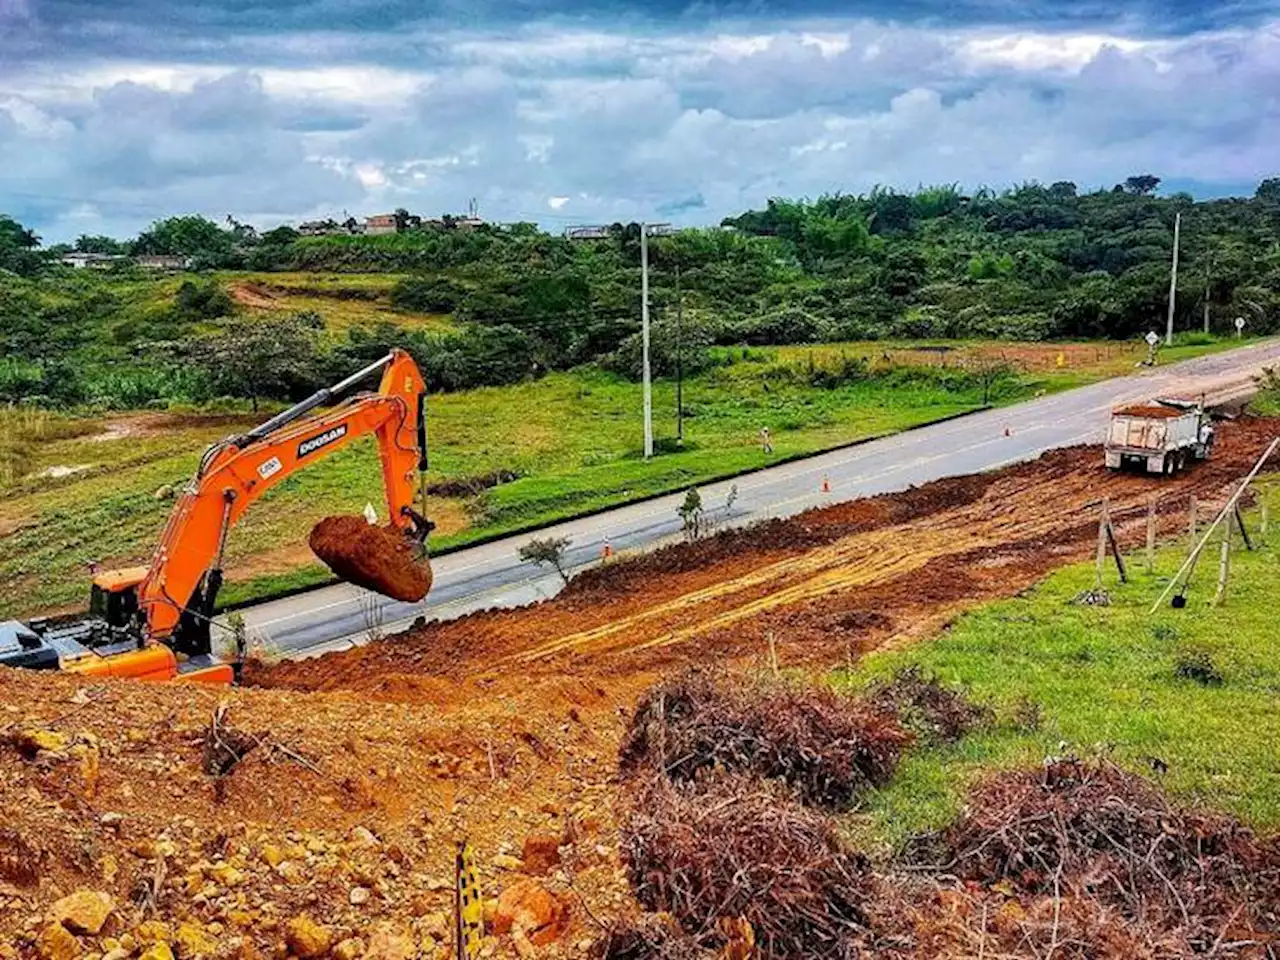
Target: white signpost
{"x": 1153, "y": 341}
{"x": 1239, "y": 327}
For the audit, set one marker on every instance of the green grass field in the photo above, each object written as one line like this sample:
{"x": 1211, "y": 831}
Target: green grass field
{"x": 1106, "y": 680}
{"x": 574, "y": 440}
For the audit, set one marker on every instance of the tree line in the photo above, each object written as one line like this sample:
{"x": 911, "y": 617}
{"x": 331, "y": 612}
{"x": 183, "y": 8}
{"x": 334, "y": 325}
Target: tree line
{"x": 1030, "y": 262}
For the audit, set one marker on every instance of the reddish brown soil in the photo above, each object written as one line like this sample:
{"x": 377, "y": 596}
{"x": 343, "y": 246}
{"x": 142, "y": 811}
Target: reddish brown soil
{"x": 256, "y": 295}
{"x": 1151, "y": 412}
{"x": 376, "y": 558}
{"x": 828, "y": 584}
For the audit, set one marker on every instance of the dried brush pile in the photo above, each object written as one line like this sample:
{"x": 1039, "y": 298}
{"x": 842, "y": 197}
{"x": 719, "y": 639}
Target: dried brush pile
{"x": 732, "y": 847}
{"x": 1107, "y": 847}
{"x": 826, "y": 747}
{"x": 927, "y": 708}
{"x": 950, "y": 923}
{"x": 649, "y": 937}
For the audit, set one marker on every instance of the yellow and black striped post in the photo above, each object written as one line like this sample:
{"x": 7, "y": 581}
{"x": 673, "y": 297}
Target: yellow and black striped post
{"x": 468, "y": 907}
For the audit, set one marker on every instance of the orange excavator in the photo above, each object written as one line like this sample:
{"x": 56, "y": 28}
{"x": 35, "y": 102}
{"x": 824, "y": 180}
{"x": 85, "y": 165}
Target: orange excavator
{"x": 153, "y": 623}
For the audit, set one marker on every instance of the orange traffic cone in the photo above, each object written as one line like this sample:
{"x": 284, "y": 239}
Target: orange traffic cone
{"x": 607, "y": 551}
{"x": 826, "y": 485}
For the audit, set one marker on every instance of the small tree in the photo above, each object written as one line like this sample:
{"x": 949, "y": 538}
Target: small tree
{"x": 259, "y": 359}
{"x": 1142, "y": 185}
{"x": 990, "y": 372}
{"x": 548, "y": 550}
{"x": 693, "y": 519}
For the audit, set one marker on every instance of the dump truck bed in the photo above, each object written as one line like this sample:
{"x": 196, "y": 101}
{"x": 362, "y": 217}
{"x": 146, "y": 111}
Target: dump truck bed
{"x": 1152, "y": 428}
{"x": 1160, "y": 437}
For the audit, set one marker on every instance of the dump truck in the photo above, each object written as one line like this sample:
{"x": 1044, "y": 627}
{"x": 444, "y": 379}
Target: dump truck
{"x": 1161, "y": 436}
{"x": 153, "y": 622}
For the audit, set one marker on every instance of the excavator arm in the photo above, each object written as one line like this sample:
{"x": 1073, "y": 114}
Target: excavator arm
{"x": 176, "y": 597}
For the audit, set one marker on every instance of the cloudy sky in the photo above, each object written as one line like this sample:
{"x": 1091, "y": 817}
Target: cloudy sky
{"x": 115, "y": 113}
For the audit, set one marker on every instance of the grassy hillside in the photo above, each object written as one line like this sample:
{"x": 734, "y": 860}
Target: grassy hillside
{"x": 1187, "y": 695}
{"x": 505, "y": 303}
{"x": 77, "y": 489}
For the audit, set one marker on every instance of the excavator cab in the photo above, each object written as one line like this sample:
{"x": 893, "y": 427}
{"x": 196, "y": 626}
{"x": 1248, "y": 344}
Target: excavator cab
{"x": 113, "y": 598}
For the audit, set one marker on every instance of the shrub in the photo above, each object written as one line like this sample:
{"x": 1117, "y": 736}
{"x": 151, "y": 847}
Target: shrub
{"x": 1075, "y": 829}
{"x": 427, "y": 294}
{"x": 929, "y": 709}
{"x": 687, "y": 349}
{"x": 547, "y": 550}
{"x": 788, "y": 325}
{"x": 1196, "y": 664}
{"x": 202, "y": 301}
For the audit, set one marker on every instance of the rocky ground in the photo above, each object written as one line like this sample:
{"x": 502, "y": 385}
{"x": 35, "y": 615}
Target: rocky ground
{"x": 318, "y": 812}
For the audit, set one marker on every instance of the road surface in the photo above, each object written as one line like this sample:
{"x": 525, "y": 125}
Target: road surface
{"x": 490, "y": 575}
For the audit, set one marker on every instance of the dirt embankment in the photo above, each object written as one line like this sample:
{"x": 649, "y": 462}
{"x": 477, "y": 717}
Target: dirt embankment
{"x": 828, "y": 584}
{"x": 356, "y": 776}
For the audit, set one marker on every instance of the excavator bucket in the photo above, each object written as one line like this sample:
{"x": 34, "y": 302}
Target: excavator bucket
{"x": 381, "y": 559}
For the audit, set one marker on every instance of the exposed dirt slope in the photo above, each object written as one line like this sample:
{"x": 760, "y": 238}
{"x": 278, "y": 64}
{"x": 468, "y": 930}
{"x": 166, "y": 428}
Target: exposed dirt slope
{"x": 828, "y": 584}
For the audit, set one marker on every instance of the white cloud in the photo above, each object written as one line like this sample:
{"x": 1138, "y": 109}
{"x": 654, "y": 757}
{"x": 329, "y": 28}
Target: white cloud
{"x": 32, "y": 120}
{"x": 627, "y": 123}
{"x": 1033, "y": 52}
{"x": 370, "y": 175}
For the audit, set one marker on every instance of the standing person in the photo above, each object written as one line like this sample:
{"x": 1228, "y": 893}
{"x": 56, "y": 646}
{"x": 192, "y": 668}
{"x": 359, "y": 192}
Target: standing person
{"x": 766, "y": 442}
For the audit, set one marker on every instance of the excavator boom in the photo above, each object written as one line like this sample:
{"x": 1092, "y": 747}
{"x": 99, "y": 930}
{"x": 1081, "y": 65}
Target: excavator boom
{"x": 238, "y": 471}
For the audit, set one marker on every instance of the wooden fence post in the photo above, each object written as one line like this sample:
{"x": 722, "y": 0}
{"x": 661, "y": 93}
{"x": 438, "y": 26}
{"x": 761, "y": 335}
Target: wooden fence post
{"x": 1101, "y": 556}
{"x": 1114, "y": 541}
{"x": 1192, "y": 523}
{"x": 1224, "y": 565}
{"x": 1151, "y": 536}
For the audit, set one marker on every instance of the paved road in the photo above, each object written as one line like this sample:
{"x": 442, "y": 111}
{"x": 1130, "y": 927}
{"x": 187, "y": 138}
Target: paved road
{"x": 490, "y": 575}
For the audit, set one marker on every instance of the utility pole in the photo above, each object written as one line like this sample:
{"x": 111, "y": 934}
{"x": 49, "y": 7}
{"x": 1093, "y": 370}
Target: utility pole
{"x": 1173, "y": 280}
{"x": 601, "y": 232}
{"x": 1208, "y": 277}
{"x": 644, "y": 326}
{"x": 657, "y": 229}
{"x": 679, "y": 361}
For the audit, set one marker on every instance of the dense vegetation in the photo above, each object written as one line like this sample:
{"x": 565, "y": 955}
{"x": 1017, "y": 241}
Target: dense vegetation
{"x": 1034, "y": 262}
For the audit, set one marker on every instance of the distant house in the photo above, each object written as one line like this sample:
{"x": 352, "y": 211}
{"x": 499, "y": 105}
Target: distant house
{"x": 468, "y": 223}
{"x": 587, "y": 233}
{"x": 96, "y": 261}
{"x": 380, "y": 224}
{"x": 319, "y": 228}
{"x": 153, "y": 261}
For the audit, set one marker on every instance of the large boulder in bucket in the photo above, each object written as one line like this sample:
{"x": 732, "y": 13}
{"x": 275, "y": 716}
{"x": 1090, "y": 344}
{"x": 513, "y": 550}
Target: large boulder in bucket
{"x": 381, "y": 559}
